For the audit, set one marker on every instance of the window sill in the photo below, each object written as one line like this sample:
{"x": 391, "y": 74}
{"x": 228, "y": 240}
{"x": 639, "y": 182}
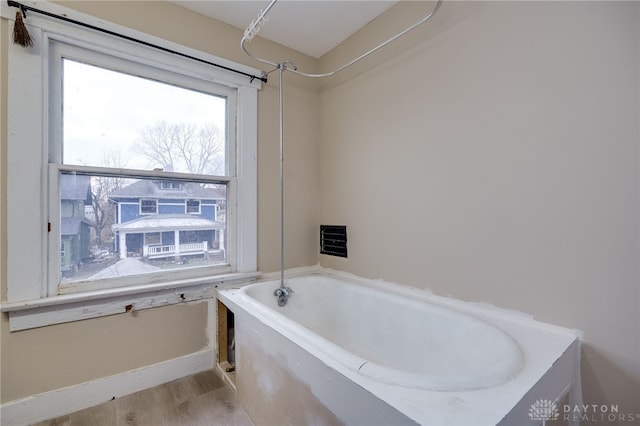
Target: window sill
{"x": 29, "y": 314}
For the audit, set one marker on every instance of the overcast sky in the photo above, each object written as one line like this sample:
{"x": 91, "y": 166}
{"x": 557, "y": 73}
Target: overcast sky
{"x": 104, "y": 110}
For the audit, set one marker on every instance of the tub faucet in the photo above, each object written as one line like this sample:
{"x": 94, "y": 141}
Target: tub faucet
{"x": 282, "y": 293}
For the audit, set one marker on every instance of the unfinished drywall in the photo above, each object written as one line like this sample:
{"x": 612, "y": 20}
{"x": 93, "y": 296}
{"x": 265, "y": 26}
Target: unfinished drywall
{"x": 265, "y": 385}
{"x": 280, "y": 383}
{"x": 492, "y": 155}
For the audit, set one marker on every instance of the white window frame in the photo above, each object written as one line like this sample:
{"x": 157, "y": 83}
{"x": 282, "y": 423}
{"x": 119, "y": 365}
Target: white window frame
{"x": 186, "y": 206}
{"x": 32, "y": 301}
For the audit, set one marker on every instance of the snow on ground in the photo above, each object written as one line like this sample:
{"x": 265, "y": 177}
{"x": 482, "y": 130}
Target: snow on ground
{"x": 128, "y": 266}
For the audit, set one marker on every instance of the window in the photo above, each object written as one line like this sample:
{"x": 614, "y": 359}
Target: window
{"x": 114, "y": 121}
{"x": 148, "y": 206}
{"x": 151, "y": 238}
{"x": 193, "y": 207}
{"x": 69, "y": 223}
{"x": 170, "y": 185}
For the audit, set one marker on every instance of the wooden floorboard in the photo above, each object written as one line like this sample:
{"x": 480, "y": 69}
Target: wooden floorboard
{"x": 203, "y": 399}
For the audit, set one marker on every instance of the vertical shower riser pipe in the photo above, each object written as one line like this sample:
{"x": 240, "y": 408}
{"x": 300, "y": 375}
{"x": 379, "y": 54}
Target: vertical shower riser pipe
{"x": 282, "y": 68}
{"x": 281, "y": 107}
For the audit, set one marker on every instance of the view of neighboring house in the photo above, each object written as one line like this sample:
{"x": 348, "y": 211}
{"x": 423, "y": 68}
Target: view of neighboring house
{"x": 75, "y": 195}
{"x": 161, "y": 219}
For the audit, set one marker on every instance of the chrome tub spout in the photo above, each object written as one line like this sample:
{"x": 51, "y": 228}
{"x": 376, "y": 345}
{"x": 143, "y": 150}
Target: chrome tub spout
{"x": 282, "y": 293}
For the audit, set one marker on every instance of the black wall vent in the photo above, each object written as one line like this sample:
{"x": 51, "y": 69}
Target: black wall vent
{"x": 333, "y": 240}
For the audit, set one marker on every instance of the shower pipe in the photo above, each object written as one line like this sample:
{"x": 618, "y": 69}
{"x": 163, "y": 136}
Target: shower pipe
{"x": 287, "y": 65}
{"x": 262, "y": 18}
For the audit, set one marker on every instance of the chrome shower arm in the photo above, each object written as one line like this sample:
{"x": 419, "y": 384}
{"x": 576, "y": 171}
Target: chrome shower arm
{"x": 253, "y": 29}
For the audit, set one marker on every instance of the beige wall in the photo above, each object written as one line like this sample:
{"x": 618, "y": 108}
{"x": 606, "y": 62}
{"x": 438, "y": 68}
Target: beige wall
{"x": 52, "y": 357}
{"x": 45, "y": 359}
{"x": 494, "y": 156}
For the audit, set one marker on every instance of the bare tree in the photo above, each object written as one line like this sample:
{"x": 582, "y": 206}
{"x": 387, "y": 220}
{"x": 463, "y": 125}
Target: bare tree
{"x": 101, "y": 189}
{"x": 183, "y": 147}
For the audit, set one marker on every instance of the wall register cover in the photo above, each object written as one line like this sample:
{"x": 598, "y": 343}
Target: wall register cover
{"x": 333, "y": 240}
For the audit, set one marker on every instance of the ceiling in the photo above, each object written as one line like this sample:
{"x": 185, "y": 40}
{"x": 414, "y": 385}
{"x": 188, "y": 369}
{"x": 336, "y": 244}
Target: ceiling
{"x": 313, "y": 27}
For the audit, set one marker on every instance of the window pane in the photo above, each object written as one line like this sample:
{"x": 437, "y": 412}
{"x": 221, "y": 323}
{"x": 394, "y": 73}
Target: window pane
{"x": 193, "y": 206}
{"x": 148, "y": 206}
{"x": 104, "y": 232}
{"x": 112, "y": 119}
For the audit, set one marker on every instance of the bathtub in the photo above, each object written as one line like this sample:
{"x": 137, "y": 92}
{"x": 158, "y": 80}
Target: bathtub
{"x": 345, "y": 350}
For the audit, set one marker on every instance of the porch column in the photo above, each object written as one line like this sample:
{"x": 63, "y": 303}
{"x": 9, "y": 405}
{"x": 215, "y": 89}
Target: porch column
{"x": 123, "y": 245}
{"x": 176, "y": 241}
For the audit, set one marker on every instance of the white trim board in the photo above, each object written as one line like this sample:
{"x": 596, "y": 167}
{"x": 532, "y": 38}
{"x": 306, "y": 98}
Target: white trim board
{"x": 79, "y": 306}
{"x": 67, "y": 400}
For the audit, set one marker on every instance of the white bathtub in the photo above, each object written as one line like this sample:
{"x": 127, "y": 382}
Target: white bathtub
{"x": 426, "y": 359}
{"x": 395, "y": 339}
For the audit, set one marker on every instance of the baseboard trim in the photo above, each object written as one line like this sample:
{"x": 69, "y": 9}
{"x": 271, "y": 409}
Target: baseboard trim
{"x": 67, "y": 400}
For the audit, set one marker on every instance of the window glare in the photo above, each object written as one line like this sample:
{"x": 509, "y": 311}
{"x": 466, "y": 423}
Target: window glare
{"x": 112, "y": 119}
